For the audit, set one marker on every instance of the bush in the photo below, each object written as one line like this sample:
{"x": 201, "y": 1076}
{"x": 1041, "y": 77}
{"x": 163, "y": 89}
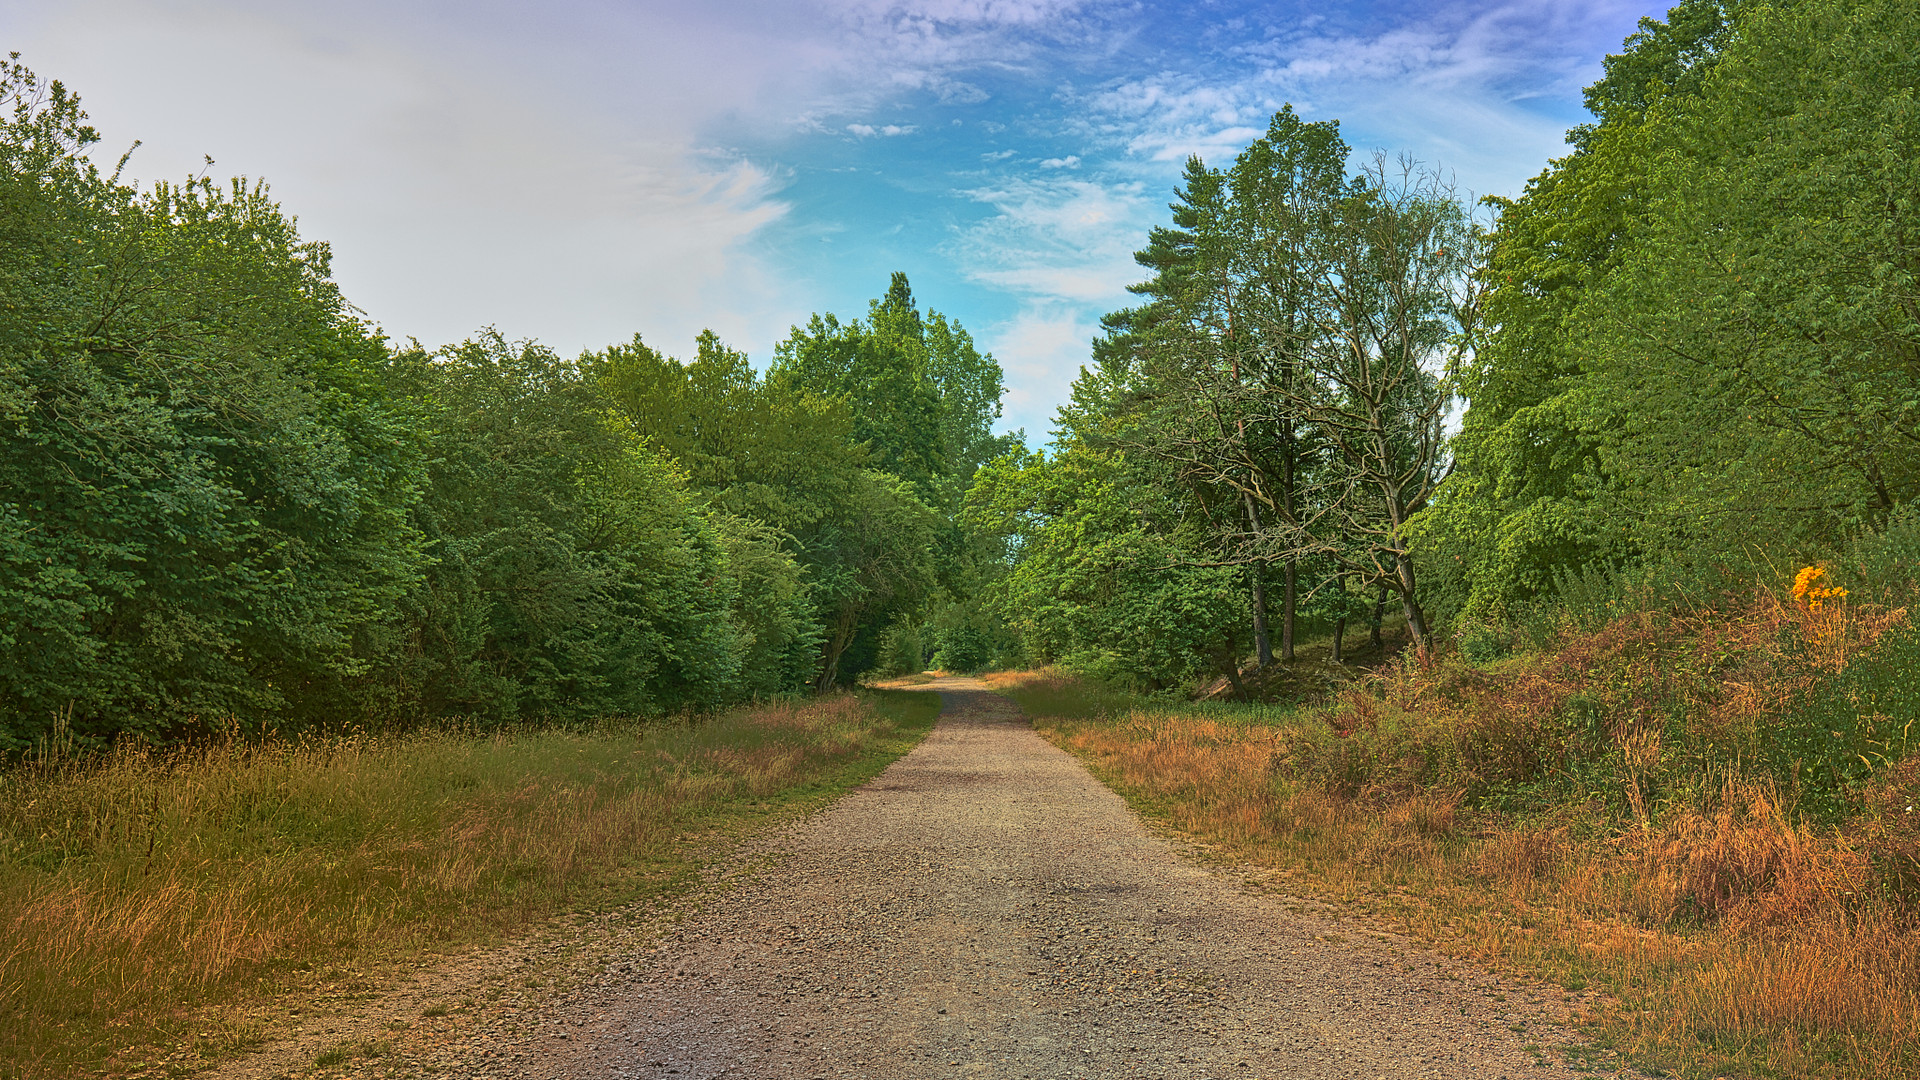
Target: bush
{"x": 901, "y": 650}
{"x": 1845, "y": 731}
{"x": 963, "y": 648}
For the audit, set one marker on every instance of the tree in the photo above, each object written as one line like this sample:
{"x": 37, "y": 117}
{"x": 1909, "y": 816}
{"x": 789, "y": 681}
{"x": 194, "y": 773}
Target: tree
{"x": 1388, "y": 296}
{"x": 923, "y": 401}
{"x": 881, "y": 368}
{"x": 572, "y": 573}
{"x": 1103, "y": 578}
{"x": 788, "y": 462}
{"x": 1693, "y": 346}
{"x": 1761, "y": 331}
{"x": 1224, "y": 331}
{"x": 1290, "y": 360}
{"x": 207, "y": 488}
{"x": 877, "y": 561}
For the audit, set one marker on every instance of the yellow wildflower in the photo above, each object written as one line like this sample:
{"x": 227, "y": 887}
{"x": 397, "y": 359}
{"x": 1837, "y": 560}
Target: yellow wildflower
{"x": 1807, "y": 588}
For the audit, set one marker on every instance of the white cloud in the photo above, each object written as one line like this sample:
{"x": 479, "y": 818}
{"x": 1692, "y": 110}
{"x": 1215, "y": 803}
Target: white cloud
{"x": 1056, "y": 239}
{"x": 1453, "y": 84}
{"x": 954, "y": 92}
{"x": 462, "y": 181}
{"x": 868, "y": 131}
{"x": 1071, "y": 161}
{"x": 940, "y": 46}
{"x": 1041, "y": 350}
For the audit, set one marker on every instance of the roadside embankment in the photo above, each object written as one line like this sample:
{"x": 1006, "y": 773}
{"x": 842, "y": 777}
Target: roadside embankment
{"x": 163, "y": 909}
{"x": 1612, "y": 812}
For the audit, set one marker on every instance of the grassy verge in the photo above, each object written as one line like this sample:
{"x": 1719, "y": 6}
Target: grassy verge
{"x": 141, "y": 890}
{"x": 1725, "y": 935}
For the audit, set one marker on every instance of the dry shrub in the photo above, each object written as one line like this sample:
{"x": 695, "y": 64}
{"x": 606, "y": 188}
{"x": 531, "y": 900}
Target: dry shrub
{"x": 1844, "y": 993}
{"x": 1212, "y": 777}
{"x": 1448, "y": 726}
{"x": 1746, "y": 863}
{"x": 1307, "y": 811}
{"x": 1641, "y": 704}
{"x": 1522, "y": 856}
{"x": 1432, "y": 813}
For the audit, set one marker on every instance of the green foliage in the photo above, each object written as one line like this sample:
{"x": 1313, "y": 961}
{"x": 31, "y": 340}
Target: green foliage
{"x": 923, "y": 400}
{"x": 901, "y": 649}
{"x": 572, "y": 575}
{"x": 1700, "y": 338}
{"x": 875, "y": 559}
{"x": 1884, "y": 563}
{"x": 1851, "y": 728}
{"x": 228, "y": 501}
{"x": 1101, "y": 580}
{"x": 881, "y": 367}
{"x": 764, "y": 449}
{"x": 207, "y": 489}
{"x": 773, "y": 608}
{"x": 853, "y": 451}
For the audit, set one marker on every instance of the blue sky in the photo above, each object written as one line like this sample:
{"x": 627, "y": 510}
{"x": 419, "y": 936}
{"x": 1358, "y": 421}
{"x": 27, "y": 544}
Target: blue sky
{"x": 581, "y": 170}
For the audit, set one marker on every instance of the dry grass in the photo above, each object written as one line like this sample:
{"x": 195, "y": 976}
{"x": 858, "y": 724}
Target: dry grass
{"x": 1729, "y": 935}
{"x": 139, "y": 886}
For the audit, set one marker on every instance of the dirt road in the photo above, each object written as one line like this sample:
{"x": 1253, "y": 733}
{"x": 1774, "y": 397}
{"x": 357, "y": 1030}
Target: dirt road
{"x": 986, "y": 908}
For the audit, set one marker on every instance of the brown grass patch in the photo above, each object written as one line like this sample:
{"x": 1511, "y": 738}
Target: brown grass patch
{"x": 142, "y": 892}
{"x": 1729, "y": 935}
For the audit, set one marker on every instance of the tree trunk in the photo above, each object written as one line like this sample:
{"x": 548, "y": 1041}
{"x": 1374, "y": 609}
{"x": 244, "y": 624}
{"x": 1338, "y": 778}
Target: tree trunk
{"x": 1262, "y": 644}
{"x": 836, "y": 645}
{"x": 1262, "y": 641}
{"x": 1340, "y": 622}
{"x": 1230, "y": 664}
{"x": 1416, "y": 618}
{"x": 1289, "y": 608}
{"x": 1379, "y": 613}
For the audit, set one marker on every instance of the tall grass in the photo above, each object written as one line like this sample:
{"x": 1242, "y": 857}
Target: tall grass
{"x": 1669, "y": 806}
{"x": 137, "y": 885}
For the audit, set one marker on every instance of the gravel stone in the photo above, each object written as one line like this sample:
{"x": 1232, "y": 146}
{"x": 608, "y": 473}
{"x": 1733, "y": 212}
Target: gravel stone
{"x": 986, "y": 908}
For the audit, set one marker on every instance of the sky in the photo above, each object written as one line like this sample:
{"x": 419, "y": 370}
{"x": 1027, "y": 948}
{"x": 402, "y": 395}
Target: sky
{"x": 579, "y": 171}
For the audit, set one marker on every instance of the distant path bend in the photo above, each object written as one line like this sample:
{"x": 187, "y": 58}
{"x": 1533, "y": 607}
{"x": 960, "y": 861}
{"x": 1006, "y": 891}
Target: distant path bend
{"x": 986, "y": 908}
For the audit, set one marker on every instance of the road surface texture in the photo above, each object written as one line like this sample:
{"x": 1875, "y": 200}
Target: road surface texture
{"x": 986, "y": 908}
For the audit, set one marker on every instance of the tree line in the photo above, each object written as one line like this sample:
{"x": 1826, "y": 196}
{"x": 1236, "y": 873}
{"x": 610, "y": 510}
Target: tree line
{"x": 1346, "y": 396}
{"x": 1689, "y": 349}
{"x": 229, "y": 501}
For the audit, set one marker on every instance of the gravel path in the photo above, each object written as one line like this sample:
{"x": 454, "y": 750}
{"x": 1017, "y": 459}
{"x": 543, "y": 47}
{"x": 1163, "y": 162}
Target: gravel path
{"x": 986, "y": 908}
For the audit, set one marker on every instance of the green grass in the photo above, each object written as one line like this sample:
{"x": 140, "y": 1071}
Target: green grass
{"x": 146, "y": 892}
{"x": 1055, "y": 694}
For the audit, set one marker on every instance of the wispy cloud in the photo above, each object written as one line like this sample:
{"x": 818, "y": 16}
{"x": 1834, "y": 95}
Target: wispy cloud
{"x": 1041, "y": 349}
{"x": 1056, "y": 239}
{"x": 1455, "y": 83}
{"x": 666, "y": 166}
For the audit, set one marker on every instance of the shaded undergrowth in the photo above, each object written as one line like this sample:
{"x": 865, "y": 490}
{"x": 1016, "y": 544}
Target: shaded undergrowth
{"x": 142, "y": 888}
